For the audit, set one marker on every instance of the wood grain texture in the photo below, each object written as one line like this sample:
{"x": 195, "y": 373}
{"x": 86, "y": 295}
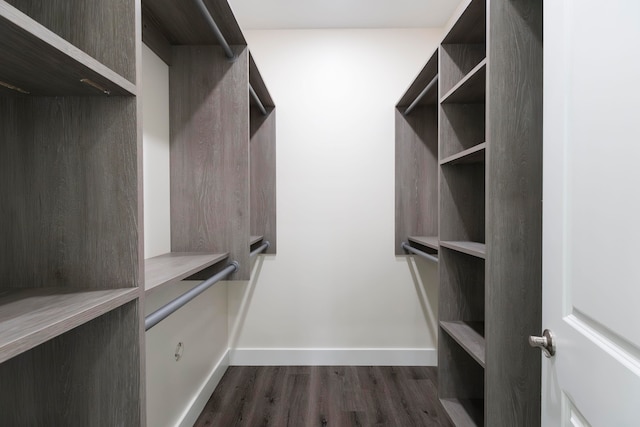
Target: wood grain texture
{"x": 89, "y": 376}
{"x": 470, "y": 89}
{"x": 470, "y": 336}
{"x": 470, "y": 26}
{"x": 462, "y": 287}
{"x": 106, "y": 31}
{"x": 29, "y": 317}
{"x": 255, "y": 239}
{"x": 428, "y": 72}
{"x": 69, "y": 180}
{"x": 209, "y": 116}
{"x": 426, "y": 241}
{"x": 416, "y": 175}
{"x": 325, "y": 395}
{"x": 475, "y": 154}
{"x": 460, "y": 376}
{"x": 464, "y": 412}
{"x": 182, "y": 22}
{"x": 462, "y": 203}
{"x": 153, "y": 37}
{"x": 470, "y": 248}
{"x": 175, "y": 266}
{"x": 263, "y": 176}
{"x": 461, "y": 126}
{"x": 514, "y": 212}
{"x": 40, "y": 62}
{"x": 457, "y": 61}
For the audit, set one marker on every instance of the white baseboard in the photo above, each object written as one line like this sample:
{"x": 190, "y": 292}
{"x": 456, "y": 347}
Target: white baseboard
{"x": 333, "y": 357}
{"x": 191, "y": 415}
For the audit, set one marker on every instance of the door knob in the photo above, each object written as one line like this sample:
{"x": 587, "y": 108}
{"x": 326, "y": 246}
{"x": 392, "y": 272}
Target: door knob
{"x": 545, "y": 343}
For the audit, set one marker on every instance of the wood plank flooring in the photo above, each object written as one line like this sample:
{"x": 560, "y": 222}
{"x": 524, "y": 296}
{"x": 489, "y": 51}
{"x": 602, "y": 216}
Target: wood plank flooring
{"x": 301, "y": 396}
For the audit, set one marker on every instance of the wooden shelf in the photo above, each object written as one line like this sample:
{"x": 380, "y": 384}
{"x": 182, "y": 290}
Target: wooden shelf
{"x": 470, "y": 336}
{"x": 464, "y": 412}
{"x": 176, "y": 266}
{"x": 29, "y": 317}
{"x": 428, "y": 241}
{"x": 470, "y": 248}
{"x": 471, "y": 89}
{"x": 255, "y": 239}
{"x": 40, "y": 62}
{"x": 475, "y": 154}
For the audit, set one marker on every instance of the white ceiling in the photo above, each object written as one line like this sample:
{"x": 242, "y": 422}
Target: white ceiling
{"x": 289, "y": 14}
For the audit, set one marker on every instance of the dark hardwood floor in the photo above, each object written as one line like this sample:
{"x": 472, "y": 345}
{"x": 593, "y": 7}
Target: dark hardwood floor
{"x": 301, "y": 396}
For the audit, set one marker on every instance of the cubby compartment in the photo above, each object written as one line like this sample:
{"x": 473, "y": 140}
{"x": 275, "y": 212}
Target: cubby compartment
{"x": 461, "y": 391}
{"x": 462, "y": 128}
{"x": 104, "y": 31}
{"x": 462, "y": 197}
{"x": 87, "y": 376}
{"x": 416, "y": 162}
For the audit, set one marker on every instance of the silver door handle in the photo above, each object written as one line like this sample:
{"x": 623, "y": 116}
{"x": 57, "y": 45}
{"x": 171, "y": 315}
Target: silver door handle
{"x": 545, "y": 343}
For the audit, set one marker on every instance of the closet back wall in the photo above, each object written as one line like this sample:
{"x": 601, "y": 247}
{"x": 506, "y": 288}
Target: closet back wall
{"x": 335, "y": 293}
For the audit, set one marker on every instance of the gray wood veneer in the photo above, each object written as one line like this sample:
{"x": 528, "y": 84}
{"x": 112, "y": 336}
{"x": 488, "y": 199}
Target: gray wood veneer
{"x": 416, "y": 163}
{"x": 475, "y": 154}
{"x": 182, "y": 23}
{"x": 470, "y": 335}
{"x": 175, "y": 266}
{"x": 457, "y": 61}
{"x": 427, "y": 241}
{"x": 39, "y": 62}
{"x": 263, "y": 174}
{"x": 428, "y": 72}
{"x": 255, "y": 239}
{"x": 104, "y": 30}
{"x": 461, "y": 126}
{"x": 470, "y": 89}
{"x": 470, "y": 248}
{"x": 463, "y": 376}
{"x": 470, "y": 27}
{"x": 210, "y": 153}
{"x": 68, "y": 176}
{"x": 29, "y": 317}
{"x": 514, "y": 212}
{"x": 462, "y": 203}
{"x": 89, "y": 376}
{"x": 464, "y": 412}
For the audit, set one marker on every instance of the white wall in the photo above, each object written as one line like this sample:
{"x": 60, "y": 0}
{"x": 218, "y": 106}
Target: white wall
{"x": 335, "y": 293}
{"x": 176, "y": 390}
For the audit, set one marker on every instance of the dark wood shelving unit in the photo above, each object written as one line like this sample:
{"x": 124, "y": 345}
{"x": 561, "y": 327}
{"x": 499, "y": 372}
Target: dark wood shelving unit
{"x": 490, "y": 144}
{"x": 70, "y": 314}
{"x": 416, "y": 159}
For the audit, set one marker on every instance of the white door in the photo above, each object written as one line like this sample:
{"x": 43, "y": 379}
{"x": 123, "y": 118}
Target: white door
{"x": 591, "y": 216}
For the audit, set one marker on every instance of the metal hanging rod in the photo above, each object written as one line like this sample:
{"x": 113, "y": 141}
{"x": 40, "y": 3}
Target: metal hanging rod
{"x": 260, "y": 249}
{"x": 168, "y": 309}
{"x": 424, "y": 255}
{"x": 421, "y": 95}
{"x": 215, "y": 29}
{"x": 225, "y": 46}
{"x": 255, "y": 97}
